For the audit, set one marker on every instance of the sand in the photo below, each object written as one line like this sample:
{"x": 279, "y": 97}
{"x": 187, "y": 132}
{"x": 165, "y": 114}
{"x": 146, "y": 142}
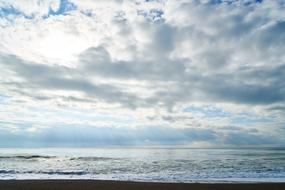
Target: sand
{"x": 119, "y": 185}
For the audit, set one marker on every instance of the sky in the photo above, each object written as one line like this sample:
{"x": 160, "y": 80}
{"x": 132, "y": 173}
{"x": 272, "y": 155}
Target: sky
{"x": 197, "y": 73}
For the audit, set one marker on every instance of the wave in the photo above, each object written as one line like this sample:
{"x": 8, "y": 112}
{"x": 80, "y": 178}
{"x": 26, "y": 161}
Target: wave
{"x": 7, "y": 171}
{"x": 63, "y": 172}
{"x": 31, "y": 157}
{"x": 92, "y": 158}
{"x": 26, "y": 157}
{"x": 44, "y": 172}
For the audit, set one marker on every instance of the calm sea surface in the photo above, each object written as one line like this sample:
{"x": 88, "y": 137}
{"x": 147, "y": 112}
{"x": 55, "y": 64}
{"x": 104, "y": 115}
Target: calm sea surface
{"x": 145, "y": 164}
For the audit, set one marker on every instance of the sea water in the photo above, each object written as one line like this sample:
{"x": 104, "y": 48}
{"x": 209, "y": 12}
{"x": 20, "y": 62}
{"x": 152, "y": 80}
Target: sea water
{"x": 145, "y": 164}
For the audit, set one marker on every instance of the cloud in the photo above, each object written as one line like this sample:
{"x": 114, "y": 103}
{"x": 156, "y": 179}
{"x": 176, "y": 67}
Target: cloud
{"x": 28, "y": 8}
{"x": 98, "y": 136}
{"x": 148, "y": 60}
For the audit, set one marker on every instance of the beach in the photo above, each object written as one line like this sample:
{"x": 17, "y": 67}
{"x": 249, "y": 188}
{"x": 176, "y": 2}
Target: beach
{"x": 124, "y": 185}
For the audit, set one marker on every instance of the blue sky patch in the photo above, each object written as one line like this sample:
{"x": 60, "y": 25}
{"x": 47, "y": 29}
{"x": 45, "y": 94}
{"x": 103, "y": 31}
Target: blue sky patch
{"x": 88, "y": 13}
{"x": 207, "y": 111}
{"x": 153, "y": 15}
{"x": 243, "y": 120}
{"x": 4, "y": 99}
{"x": 64, "y": 7}
{"x": 12, "y": 11}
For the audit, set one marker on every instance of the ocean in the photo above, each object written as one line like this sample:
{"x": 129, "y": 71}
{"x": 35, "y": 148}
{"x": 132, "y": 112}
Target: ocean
{"x": 145, "y": 164}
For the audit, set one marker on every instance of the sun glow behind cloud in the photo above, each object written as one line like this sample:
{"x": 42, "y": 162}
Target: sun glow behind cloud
{"x": 59, "y": 48}
{"x": 142, "y": 72}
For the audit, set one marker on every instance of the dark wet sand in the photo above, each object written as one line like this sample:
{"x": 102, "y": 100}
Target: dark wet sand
{"x": 119, "y": 185}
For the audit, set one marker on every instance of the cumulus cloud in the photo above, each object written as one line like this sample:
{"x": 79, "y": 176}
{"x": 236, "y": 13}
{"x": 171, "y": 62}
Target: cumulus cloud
{"x": 195, "y": 67}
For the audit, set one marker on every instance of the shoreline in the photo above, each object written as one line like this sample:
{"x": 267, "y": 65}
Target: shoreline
{"x": 126, "y": 185}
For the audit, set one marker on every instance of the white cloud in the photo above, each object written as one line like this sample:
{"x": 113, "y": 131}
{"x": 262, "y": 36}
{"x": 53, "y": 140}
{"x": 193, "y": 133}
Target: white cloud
{"x": 141, "y": 63}
{"x": 31, "y": 7}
